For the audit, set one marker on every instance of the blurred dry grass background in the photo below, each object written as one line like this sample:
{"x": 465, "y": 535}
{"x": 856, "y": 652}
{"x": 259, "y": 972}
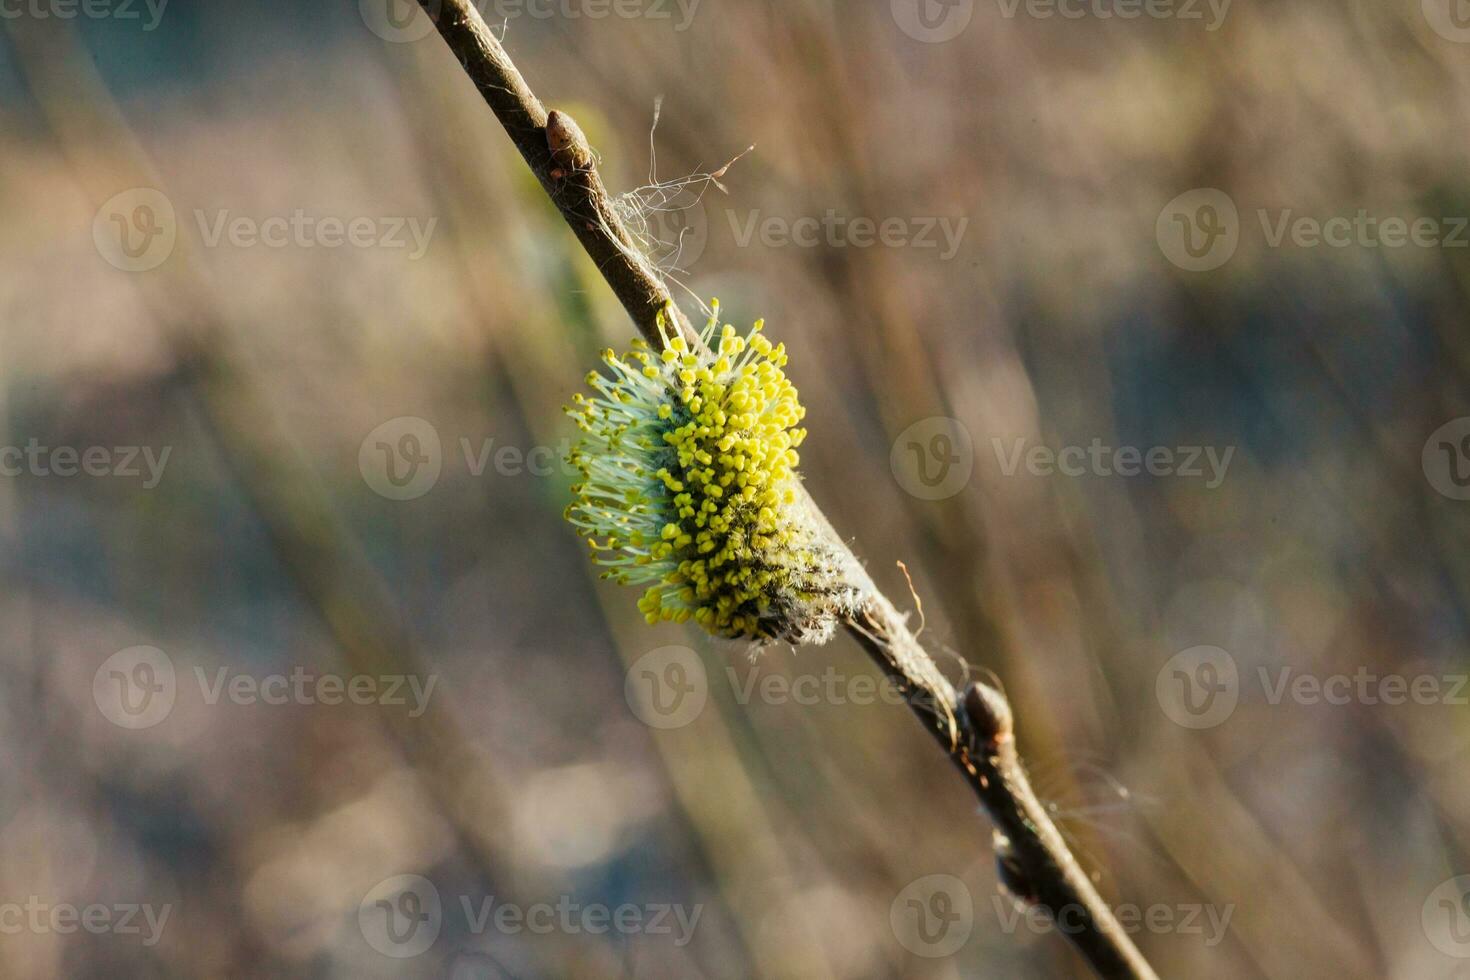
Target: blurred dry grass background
{"x": 1323, "y": 829}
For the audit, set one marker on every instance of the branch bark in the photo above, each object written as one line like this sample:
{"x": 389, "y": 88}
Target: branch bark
{"x": 576, "y": 190}
{"x": 975, "y": 730}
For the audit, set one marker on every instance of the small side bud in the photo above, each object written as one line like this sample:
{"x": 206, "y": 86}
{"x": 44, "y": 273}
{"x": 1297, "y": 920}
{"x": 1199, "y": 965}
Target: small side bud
{"x": 989, "y": 713}
{"x": 568, "y": 146}
{"x": 1013, "y": 880}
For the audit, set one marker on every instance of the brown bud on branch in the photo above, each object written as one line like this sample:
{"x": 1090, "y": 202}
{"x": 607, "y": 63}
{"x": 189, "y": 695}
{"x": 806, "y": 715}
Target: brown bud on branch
{"x": 568, "y": 145}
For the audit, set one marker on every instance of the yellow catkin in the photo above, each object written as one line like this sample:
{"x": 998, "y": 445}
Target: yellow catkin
{"x": 688, "y": 463}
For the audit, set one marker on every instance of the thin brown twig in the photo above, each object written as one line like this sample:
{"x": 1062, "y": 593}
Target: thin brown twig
{"x": 976, "y": 731}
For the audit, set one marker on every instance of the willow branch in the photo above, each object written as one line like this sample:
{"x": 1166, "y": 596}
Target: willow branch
{"x": 975, "y": 730}
{"x": 576, "y": 190}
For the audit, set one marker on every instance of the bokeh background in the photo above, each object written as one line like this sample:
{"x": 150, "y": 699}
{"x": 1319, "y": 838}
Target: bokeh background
{"x": 1113, "y": 186}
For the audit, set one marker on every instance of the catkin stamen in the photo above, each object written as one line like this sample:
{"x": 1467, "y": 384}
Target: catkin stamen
{"x": 689, "y": 461}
